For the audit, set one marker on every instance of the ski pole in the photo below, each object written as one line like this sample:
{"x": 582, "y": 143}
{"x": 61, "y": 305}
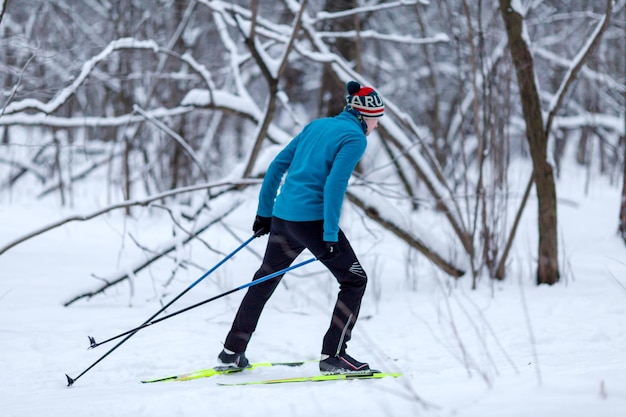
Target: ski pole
{"x": 196, "y": 282}
{"x": 70, "y": 380}
{"x": 257, "y": 281}
{"x": 92, "y": 340}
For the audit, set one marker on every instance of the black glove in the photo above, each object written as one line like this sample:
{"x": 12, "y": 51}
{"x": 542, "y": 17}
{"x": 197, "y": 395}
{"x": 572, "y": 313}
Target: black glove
{"x": 332, "y": 251}
{"x": 262, "y": 225}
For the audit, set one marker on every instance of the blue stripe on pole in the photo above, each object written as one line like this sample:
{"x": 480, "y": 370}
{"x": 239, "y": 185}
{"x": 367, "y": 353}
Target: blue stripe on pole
{"x": 244, "y": 244}
{"x": 275, "y": 274}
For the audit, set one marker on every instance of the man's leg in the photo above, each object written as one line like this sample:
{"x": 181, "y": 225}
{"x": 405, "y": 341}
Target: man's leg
{"x": 348, "y": 272}
{"x": 280, "y": 253}
{"x": 352, "y": 283}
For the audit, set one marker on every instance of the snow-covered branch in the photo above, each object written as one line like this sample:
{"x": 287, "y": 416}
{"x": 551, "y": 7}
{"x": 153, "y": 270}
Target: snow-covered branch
{"x": 180, "y": 140}
{"x": 577, "y": 64}
{"x": 167, "y": 247}
{"x": 323, "y": 15}
{"x": 401, "y": 39}
{"x": 225, "y": 80}
{"x": 88, "y": 66}
{"x": 124, "y": 204}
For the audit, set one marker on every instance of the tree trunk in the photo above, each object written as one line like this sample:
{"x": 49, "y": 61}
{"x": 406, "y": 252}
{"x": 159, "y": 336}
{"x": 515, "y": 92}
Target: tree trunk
{"x": 548, "y": 265}
{"x": 622, "y": 215}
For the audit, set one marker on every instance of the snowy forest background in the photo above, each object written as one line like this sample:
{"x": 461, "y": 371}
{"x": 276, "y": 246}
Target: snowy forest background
{"x": 172, "y": 109}
{"x": 156, "y": 97}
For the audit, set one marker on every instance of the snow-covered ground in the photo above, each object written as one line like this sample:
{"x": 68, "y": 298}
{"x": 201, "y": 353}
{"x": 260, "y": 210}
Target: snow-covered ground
{"x": 506, "y": 349}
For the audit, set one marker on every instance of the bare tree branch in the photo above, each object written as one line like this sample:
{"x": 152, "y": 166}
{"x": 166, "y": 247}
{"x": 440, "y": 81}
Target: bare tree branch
{"x": 125, "y": 204}
{"x": 180, "y": 140}
{"x": 171, "y": 246}
{"x": 577, "y": 65}
{"x": 3, "y": 7}
{"x": 412, "y": 241}
{"x": 272, "y": 80}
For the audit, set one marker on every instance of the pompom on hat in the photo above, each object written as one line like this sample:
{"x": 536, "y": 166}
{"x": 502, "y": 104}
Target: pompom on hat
{"x": 365, "y": 100}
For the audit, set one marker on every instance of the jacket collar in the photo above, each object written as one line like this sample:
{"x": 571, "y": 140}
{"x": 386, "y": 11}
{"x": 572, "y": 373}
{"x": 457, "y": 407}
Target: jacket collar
{"x": 356, "y": 115}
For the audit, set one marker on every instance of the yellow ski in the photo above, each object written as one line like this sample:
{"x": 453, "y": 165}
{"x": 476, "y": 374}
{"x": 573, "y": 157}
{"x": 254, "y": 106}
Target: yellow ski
{"x": 221, "y": 370}
{"x": 317, "y": 378}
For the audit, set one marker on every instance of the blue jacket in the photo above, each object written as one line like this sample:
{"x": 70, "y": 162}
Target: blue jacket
{"x": 319, "y": 162}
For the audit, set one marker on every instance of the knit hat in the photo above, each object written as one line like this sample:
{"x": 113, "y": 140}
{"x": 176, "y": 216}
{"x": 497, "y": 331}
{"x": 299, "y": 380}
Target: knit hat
{"x": 365, "y": 99}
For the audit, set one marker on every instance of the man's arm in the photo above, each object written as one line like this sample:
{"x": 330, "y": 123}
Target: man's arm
{"x": 273, "y": 177}
{"x": 337, "y": 182}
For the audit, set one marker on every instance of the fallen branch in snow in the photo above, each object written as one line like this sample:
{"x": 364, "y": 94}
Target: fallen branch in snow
{"x": 169, "y": 247}
{"x": 436, "y": 184}
{"x": 124, "y": 204}
{"x": 613, "y": 275}
{"x": 412, "y": 241}
{"x": 479, "y": 328}
{"x": 25, "y": 167}
{"x": 465, "y": 357}
{"x": 531, "y": 333}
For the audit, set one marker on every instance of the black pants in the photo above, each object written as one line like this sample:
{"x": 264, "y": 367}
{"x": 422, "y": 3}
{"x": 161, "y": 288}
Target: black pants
{"x": 286, "y": 241}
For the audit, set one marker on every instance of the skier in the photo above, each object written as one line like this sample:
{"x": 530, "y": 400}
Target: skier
{"x": 318, "y": 163}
